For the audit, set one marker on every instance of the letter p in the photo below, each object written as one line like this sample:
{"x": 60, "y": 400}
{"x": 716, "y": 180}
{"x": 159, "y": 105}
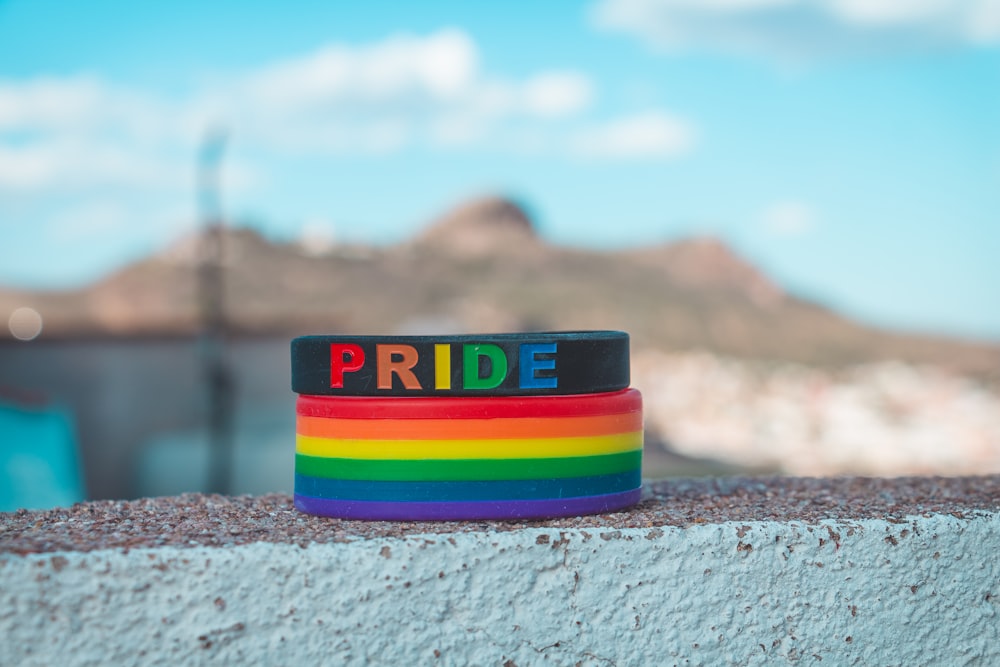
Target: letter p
{"x": 344, "y": 358}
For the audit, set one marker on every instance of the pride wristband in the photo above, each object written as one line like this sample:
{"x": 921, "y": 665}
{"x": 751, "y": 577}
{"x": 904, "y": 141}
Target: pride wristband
{"x": 469, "y": 457}
{"x": 522, "y": 364}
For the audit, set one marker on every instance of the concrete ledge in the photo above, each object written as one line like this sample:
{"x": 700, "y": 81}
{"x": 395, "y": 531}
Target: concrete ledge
{"x": 739, "y": 571}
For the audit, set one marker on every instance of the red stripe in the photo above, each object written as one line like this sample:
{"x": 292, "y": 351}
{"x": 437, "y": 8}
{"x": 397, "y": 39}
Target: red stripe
{"x": 466, "y": 407}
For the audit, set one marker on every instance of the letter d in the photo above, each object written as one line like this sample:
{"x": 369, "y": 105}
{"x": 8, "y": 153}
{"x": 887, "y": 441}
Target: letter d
{"x": 470, "y": 366}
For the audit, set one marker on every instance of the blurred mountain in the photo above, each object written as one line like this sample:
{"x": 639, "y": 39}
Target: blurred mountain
{"x": 484, "y": 267}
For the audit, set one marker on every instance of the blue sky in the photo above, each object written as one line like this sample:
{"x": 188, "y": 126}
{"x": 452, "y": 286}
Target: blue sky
{"x": 851, "y": 148}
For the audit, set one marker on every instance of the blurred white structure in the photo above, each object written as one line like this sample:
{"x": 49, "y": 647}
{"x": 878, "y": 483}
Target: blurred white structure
{"x": 879, "y": 419}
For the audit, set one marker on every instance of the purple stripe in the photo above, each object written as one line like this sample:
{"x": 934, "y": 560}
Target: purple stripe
{"x": 458, "y": 511}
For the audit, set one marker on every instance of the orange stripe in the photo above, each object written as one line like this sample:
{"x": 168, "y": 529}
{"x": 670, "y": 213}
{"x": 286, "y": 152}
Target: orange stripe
{"x": 477, "y": 429}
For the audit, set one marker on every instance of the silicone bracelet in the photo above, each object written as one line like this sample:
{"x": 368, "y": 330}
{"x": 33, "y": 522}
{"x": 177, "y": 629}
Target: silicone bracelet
{"x": 515, "y": 489}
{"x": 359, "y": 407}
{"x": 443, "y": 470}
{"x": 517, "y": 448}
{"x": 564, "y": 362}
{"x": 444, "y": 429}
{"x": 461, "y": 511}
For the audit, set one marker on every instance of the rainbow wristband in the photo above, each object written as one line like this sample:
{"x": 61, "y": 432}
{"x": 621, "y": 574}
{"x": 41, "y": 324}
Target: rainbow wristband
{"x": 425, "y": 458}
{"x": 547, "y": 363}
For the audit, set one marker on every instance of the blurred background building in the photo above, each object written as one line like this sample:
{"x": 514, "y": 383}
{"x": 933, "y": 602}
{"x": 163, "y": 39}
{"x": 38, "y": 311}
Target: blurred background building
{"x": 790, "y": 206}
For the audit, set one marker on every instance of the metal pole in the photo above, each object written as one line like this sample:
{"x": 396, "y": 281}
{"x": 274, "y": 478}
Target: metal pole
{"x": 217, "y": 374}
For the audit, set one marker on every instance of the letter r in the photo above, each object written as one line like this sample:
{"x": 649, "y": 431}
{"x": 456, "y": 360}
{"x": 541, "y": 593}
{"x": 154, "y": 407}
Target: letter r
{"x": 344, "y": 358}
{"x": 398, "y": 359}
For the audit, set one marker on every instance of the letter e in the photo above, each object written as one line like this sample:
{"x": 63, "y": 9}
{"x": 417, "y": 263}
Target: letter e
{"x": 530, "y": 365}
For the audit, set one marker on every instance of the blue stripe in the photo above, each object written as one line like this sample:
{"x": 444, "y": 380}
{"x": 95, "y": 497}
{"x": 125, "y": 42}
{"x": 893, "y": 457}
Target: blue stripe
{"x": 520, "y": 489}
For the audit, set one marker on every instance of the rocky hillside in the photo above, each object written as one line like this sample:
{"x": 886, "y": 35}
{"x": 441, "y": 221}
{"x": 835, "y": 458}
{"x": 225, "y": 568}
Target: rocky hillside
{"x": 483, "y": 267}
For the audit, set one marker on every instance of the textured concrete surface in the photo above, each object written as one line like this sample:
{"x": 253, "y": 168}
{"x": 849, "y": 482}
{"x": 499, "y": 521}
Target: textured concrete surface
{"x": 901, "y": 591}
{"x": 211, "y": 520}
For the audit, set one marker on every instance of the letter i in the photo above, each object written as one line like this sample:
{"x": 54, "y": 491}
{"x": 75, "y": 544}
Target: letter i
{"x": 442, "y": 366}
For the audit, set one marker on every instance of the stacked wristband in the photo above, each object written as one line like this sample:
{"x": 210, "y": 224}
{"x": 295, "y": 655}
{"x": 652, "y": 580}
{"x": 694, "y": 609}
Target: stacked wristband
{"x": 510, "y": 426}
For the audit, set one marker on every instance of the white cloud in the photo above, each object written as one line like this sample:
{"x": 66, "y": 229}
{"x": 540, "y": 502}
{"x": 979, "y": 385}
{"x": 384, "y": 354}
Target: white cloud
{"x": 556, "y": 94}
{"x": 394, "y": 93}
{"x": 71, "y": 164}
{"x": 407, "y": 75}
{"x": 397, "y": 71}
{"x": 788, "y": 218}
{"x": 49, "y": 103}
{"x": 654, "y": 134}
{"x": 84, "y": 104}
{"x": 63, "y": 134}
{"x": 65, "y": 164}
{"x": 79, "y": 132}
{"x": 804, "y": 29}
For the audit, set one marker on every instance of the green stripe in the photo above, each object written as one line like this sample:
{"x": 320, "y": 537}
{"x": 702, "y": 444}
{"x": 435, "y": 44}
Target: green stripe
{"x": 442, "y": 470}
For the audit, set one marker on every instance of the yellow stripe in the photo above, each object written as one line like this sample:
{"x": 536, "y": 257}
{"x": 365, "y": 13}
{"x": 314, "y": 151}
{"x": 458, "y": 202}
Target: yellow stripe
{"x": 442, "y": 366}
{"x": 522, "y": 448}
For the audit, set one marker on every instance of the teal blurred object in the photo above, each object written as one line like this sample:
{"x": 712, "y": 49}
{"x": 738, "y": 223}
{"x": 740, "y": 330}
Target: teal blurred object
{"x": 39, "y": 458}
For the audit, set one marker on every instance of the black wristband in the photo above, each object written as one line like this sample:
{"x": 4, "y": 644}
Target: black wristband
{"x": 522, "y": 364}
